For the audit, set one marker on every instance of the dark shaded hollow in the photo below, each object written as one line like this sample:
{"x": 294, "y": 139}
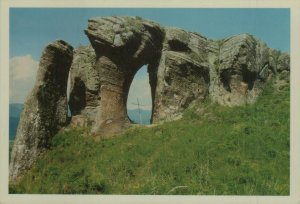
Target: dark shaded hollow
{"x": 225, "y": 79}
{"x": 176, "y": 45}
{"x": 77, "y": 100}
{"x": 249, "y": 77}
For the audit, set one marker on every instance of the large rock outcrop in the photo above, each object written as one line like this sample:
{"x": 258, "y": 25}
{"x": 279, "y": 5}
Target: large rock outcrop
{"x": 183, "y": 67}
{"x": 45, "y": 109}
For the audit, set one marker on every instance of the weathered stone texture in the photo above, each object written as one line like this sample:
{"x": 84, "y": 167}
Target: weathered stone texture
{"x": 183, "y": 67}
{"x": 122, "y": 46}
{"x": 239, "y": 71}
{"x": 45, "y": 109}
{"x": 85, "y": 83}
{"x": 182, "y": 76}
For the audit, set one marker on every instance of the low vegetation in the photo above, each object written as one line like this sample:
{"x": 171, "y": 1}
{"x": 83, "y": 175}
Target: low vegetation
{"x": 212, "y": 150}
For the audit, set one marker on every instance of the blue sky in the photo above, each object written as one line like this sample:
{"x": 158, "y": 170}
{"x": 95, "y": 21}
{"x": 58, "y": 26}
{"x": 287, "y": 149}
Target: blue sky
{"x": 32, "y": 28}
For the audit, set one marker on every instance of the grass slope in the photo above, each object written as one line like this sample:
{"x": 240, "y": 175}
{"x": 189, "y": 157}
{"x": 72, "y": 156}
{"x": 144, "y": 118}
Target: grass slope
{"x": 213, "y": 150}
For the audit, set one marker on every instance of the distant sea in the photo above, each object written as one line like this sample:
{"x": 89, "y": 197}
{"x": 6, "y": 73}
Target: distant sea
{"x": 15, "y": 109}
{"x": 134, "y": 115}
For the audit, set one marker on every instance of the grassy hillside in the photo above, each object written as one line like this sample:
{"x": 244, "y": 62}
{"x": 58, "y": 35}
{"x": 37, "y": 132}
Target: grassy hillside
{"x": 212, "y": 150}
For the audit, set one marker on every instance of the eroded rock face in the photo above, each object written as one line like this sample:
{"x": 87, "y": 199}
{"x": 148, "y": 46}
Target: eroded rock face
{"x": 85, "y": 84}
{"x": 183, "y": 67}
{"x": 183, "y": 74}
{"x": 122, "y": 45}
{"x": 45, "y": 109}
{"x": 239, "y": 71}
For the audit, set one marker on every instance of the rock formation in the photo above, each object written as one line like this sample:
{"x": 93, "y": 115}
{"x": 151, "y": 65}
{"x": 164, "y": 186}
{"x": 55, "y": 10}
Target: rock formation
{"x": 182, "y": 74}
{"x": 85, "y": 85}
{"x": 183, "y": 67}
{"x": 122, "y": 45}
{"x": 239, "y": 71}
{"x": 45, "y": 109}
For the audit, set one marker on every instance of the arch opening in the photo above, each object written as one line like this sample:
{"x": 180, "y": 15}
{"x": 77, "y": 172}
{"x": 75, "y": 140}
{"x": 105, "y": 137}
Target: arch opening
{"x": 139, "y": 100}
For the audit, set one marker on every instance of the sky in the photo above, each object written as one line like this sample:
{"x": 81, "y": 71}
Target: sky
{"x": 31, "y": 29}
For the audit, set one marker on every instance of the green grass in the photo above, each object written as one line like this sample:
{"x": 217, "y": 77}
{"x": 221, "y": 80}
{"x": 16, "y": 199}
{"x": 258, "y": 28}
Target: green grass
{"x": 213, "y": 150}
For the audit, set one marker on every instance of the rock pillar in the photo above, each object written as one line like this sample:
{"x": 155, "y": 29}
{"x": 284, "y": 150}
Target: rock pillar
{"x": 122, "y": 46}
{"x": 45, "y": 110}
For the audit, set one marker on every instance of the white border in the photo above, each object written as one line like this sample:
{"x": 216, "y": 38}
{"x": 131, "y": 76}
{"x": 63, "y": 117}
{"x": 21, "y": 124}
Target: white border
{"x": 294, "y": 197}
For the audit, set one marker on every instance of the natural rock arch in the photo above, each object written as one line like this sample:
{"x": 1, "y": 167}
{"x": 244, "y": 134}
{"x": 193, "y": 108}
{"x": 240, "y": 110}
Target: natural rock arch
{"x": 122, "y": 45}
{"x": 183, "y": 67}
{"x": 139, "y": 100}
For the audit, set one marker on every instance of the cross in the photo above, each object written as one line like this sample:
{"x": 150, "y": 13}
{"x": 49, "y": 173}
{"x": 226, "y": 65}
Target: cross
{"x": 138, "y": 104}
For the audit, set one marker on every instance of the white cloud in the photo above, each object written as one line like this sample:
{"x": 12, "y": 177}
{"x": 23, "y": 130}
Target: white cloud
{"x": 140, "y": 89}
{"x": 22, "y": 74}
